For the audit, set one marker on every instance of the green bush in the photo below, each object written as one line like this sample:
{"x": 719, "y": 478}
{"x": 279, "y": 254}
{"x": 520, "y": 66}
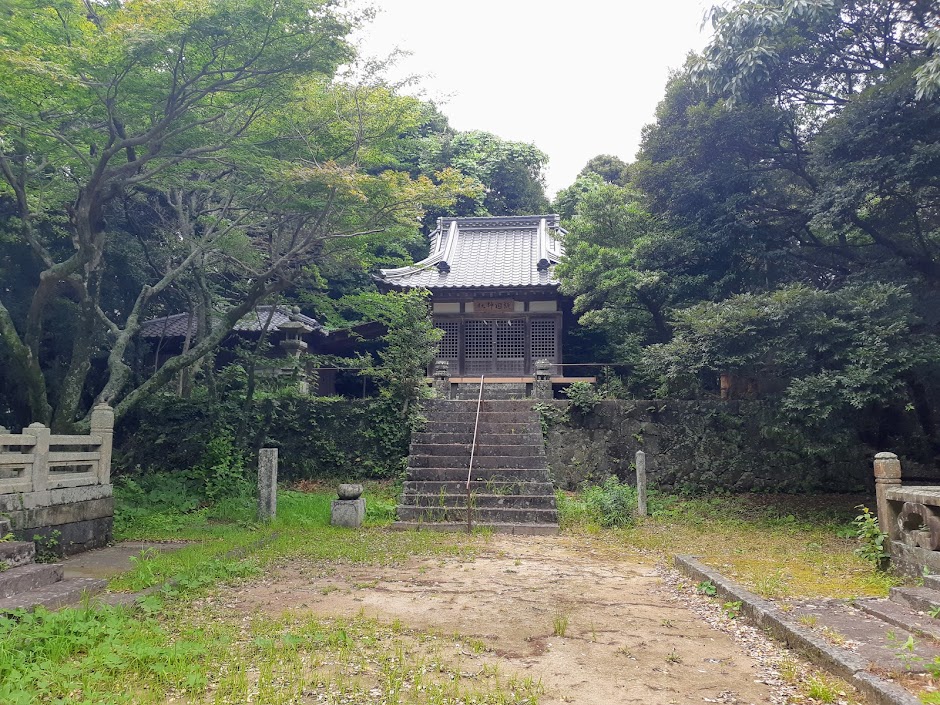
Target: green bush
{"x": 583, "y": 396}
{"x": 611, "y": 504}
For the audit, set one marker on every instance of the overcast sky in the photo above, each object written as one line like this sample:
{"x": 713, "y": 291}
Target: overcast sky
{"x": 577, "y": 78}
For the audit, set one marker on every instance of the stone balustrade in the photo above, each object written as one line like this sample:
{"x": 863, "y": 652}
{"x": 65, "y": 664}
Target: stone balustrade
{"x": 59, "y": 483}
{"x": 910, "y": 516}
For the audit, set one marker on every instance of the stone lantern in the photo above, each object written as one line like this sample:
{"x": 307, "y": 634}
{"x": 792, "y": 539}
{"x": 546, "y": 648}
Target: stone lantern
{"x": 294, "y": 345}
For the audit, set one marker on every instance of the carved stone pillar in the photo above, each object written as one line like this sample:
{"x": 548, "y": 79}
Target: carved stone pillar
{"x": 442, "y": 379}
{"x": 887, "y": 475}
{"x": 543, "y": 380}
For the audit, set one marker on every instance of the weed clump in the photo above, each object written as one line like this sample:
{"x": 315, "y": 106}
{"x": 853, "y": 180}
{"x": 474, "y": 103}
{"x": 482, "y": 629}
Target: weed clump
{"x": 612, "y": 504}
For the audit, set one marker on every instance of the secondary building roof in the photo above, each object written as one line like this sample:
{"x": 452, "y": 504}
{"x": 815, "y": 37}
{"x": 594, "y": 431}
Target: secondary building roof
{"x": 506, "y": 251}
{"x": 175, "y": 326}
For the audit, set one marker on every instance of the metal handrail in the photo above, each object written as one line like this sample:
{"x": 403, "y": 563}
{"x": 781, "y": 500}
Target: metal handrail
{"x": 473, "y": 449}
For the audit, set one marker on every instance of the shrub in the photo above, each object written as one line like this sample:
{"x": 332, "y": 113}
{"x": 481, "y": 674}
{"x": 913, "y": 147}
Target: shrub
{"x": 583, "y": 396}
{"x": 611, "y": 504}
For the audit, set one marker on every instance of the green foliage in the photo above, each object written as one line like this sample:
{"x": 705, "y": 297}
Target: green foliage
{"x": 549, "y": 416}
{"x": 707, "y": 587}
{"x": 871, "y": 538}
{"x": 317, "y": 438}
{"x": 48, "y": 546}
{"x": 215, "y": 162}
{"x": 510, "y": 172}
{"x": 612, "y": 504}
{"x": 410, "y": 346}
{"x": 51, "y": 655}
{"x": 583, "y": 396}
{"x": 613, "y": 269}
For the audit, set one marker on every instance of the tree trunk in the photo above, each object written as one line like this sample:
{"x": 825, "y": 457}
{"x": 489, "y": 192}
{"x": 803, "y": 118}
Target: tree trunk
{"x": 28, "y": 368}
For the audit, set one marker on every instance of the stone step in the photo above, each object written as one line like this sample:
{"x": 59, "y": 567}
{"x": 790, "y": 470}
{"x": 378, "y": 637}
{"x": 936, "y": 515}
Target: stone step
{"x": 932, "y": 582}
{"x": 864, "y": 637}
{"x": 496, "y": 439}
{"x": 17, "y": 553}
{"x": 499, "y": 528}
{"x": 29, "y": 577}
{"x": 919, "y": 599}
{"x": 470, "y": 405}
{"x": 61, "y": 594}
{"x": 486, "y": 428}
{"x": 512, "y": 501}
{"x": 485, "y": 417}
{"x": 500, "y": 487}
{"x": 489, "y": 515}
{"x": 479, "y": 461}
{"x": 896, "y": 614}
{"x": 463, "y": 449}
{"x": 479, "y": 474}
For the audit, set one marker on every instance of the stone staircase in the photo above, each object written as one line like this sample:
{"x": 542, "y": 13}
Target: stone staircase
{"x": 25, "y": 584}
{"x": 877, "y": 630}
{"x": 510, "y": 489}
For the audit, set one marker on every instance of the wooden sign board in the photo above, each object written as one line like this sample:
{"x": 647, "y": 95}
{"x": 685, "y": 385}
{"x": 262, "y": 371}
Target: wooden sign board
{"x": 494, "y": 306}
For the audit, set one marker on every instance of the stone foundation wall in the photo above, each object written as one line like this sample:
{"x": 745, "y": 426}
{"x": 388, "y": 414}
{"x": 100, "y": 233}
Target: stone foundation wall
{"x": 698, "y": 446}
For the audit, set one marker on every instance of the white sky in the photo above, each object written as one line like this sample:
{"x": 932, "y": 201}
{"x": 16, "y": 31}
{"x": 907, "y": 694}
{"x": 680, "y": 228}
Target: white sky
{"x": 577, "y": 78}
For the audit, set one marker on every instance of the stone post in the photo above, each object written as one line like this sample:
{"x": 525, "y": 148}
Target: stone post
{"x": 40, "y": 452}
{"x": 543, "y": 380}
{"x": 887, "y": 475}
{"x": 641, "y": 483}
{"x": 442, "y": 379}
{"x": 267, "y": 484}
{"x": 102, "y": 424}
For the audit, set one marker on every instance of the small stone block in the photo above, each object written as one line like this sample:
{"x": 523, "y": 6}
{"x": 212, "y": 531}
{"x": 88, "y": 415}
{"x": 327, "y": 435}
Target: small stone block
{"x": 349, "y": 513}
{"x": 349, "y": 491}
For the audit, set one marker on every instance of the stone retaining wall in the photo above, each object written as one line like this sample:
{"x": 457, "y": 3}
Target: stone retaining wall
{"x": 697, "y": 446}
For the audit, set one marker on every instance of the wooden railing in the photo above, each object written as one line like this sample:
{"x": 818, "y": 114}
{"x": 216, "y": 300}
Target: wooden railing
{"x": 38, "y": 460}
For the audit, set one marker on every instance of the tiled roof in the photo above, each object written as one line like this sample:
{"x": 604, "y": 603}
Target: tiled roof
{"x": 508, "y": 251}
{"x": 175, "y": 326}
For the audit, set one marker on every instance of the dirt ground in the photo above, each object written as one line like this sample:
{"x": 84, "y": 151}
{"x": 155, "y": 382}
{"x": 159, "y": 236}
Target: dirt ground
{"x": 627, "y": 638}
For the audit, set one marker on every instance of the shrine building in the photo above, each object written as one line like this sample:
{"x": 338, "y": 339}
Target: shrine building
{"x": 494, "y": 294}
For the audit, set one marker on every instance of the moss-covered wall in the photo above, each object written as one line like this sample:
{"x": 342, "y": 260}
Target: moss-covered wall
{"x": 696, "y": 446}
{"x": 691, "y": 446}
{"x": 317, "y": 438}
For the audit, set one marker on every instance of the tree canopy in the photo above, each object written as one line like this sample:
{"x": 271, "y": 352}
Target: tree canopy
{"x": 159, "y": 154}
{"x": 784, "y": 210}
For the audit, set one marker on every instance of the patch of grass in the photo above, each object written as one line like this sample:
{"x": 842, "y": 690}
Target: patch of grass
{"x": 174, "y": 643}
{"x": 611, "y": 504}
{"x": 819, "y": 688}
{"x": 832, "y": 636}
{"x": 779, "y": 545}
{"x": 560, "y": 625}
{"x": 809, "y": 620}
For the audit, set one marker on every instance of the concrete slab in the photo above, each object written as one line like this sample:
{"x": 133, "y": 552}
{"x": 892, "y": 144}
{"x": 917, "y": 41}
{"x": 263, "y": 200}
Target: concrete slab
{"x": 106, "y": 562}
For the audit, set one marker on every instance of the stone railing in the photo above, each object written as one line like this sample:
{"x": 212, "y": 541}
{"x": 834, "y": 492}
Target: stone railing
{"x": 910, "y": 516}
{"x": 59, "y": 483}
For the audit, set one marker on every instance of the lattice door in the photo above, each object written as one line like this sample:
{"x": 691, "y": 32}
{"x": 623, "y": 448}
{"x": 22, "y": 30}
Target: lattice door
{"x": 449, "y": 346}
{"x": 478, "y": 347}
{"x": 544, "y": 340}
{"x": 510, "y": 346}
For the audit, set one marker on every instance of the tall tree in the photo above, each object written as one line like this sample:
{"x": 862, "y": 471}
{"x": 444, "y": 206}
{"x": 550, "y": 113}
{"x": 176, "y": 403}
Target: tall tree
{"x": 160, "y": 134}
{"x": 802, "y": 147}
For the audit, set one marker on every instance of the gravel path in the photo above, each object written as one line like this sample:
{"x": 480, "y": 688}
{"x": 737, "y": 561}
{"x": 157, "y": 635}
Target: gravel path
{"x": 772, "y": 658}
